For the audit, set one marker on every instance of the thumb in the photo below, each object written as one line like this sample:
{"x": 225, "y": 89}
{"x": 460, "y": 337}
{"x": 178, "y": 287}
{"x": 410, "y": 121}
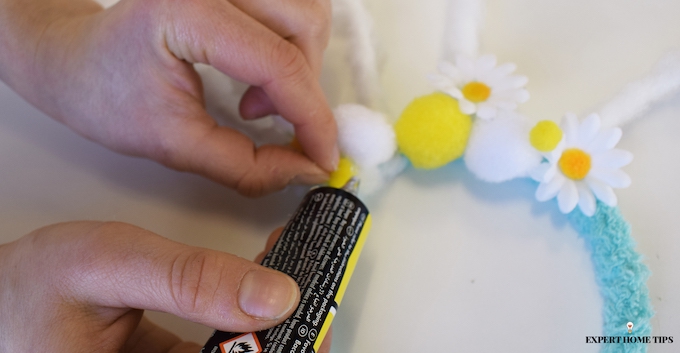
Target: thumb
{"x": 129, "y": 267}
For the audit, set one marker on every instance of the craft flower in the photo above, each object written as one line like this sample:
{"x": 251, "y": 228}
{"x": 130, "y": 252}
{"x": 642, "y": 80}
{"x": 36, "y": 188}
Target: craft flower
{"x": 481, "y": 87}
{"x": 582, "y": 166}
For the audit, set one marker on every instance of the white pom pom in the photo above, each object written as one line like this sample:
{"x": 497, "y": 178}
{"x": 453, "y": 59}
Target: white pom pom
{"x": 499, "y": 150}
{"x": 364, "y": 136}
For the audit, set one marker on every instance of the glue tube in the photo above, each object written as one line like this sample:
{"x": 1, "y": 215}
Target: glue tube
{"x": 319, "y": 249}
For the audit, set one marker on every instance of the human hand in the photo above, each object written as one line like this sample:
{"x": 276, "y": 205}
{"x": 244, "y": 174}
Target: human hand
{"x": 124, "y": 77}
{"x": 82, "y": 287}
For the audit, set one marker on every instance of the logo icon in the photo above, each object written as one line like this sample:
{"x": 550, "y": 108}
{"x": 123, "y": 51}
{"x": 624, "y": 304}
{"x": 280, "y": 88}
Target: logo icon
{"x": 630, "y": 327}
{"x": 246, "y": 343}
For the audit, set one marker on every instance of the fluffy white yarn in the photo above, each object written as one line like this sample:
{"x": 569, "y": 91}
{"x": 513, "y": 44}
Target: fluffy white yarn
{"x": 461, "y": 34}
{"x": 638, "y": 96}
{"x": 364, "y": 135}
{"x": 357, "y": 22}
{"x": 499, "y": 150}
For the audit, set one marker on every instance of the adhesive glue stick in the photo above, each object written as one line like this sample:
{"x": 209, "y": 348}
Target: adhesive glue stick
{"x": 318, "y": 248}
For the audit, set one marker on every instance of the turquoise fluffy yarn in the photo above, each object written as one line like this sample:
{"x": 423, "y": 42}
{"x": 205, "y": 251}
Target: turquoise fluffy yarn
{"x": 620, "y": 273}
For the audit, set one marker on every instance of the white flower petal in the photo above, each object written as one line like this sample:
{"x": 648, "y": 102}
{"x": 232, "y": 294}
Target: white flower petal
{"x": 570, "y": 129}
{"x": 602, "y": 191}
{"x": 440, "y": 82}
{"x": 519, "y": 81}
{"x": 548, "y": 190}
{"x": 510, "y": 83}
{"x": 521, "y": 96}
{"x": 615, "y": 178}
{"x": 505, "y": 69}
{"x": 486, "y": 112}
{"x": 555, "y": 155}
{"x": 612, "y": 159}
{"x": 466, "y": 106}
{"x": 492, "y": 78}
{"x": 539, "y": 172}
{"x": 449, "y": 70}
{"x": 605, "y": 140}
{"x": 506, "y": 105}
{"x": 588, "y": 129}
{"x": 466, "y": 68}
{"x": 485, "y": 64}
{"x": 586, "y": 200}
{"x": 567, "y": 198}
{"x": 454, "y": 92}
{"x": 552, "y": 172}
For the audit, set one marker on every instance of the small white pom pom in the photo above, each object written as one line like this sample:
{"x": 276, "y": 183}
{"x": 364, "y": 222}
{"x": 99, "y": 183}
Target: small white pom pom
{"x": 365, "y": 136}
{"x": 499, "y": 150}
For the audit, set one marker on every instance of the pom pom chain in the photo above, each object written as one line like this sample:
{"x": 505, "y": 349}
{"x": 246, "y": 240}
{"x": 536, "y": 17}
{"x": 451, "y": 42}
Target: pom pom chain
{"x": 618, "y": 268}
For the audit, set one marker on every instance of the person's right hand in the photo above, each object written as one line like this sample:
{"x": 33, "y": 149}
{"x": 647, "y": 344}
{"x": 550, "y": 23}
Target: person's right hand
{"x": 124, "y": 77}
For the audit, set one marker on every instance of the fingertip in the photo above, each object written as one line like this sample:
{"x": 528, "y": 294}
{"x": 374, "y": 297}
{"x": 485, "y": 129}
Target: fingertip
{"x": 327, "y": 340}
{"x": 267, "y": 295}
{"x": 335, "y": 158}
{"x": 324, "y": 152}
{"x": 273, "y": 237}
{"x": 276, "y": 167}
{"x": 313, "y": 178}
{"x": 255, "y": 104}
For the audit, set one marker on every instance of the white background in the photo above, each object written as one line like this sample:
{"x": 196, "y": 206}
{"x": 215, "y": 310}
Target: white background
{"x": 452, "y": 263}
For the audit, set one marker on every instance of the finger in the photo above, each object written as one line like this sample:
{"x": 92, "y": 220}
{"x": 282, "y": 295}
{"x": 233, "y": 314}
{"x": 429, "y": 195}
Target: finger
{"x": 255, "y": 104}
{"x": 248, "y": 51}
{"x": 151, "y": 338}
{"x": 229, "y": 157}
{"x": 305, "y": 23}
{"x": 270, "y": 244}
{"x": 186, "y": 347}
{"x": 271, "y": 241}
{"x": 326, "y": 344}
{"x": 128, "y": 267}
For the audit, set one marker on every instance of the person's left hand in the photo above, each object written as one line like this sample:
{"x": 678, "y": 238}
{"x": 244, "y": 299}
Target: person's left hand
{"x": 82, "y": 287}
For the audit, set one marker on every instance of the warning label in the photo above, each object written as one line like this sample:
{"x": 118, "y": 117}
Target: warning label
{"x": 246, "y": 343}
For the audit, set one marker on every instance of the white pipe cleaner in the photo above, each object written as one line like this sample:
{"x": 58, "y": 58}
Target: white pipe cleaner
{"x": 637, "y": 97}
{"x": 361, "y": 54}
{"x": 461, "y": 34}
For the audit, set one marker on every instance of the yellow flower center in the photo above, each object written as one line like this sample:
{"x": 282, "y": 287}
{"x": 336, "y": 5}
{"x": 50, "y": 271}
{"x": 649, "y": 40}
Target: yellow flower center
{"x": 476, "y": 92}
{"x": 574, "y": 163}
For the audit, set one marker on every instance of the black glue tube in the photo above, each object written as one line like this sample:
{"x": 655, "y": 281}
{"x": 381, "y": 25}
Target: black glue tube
{"x": 319, "y": 249}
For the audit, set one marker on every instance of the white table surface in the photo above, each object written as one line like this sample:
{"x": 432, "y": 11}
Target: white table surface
{"x": 452, "y": 263}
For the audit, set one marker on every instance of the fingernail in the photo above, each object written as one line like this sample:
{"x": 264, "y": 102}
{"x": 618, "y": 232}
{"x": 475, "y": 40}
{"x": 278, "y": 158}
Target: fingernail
{"x": 310, "y": 178}
{"x": 335, "y": 158}
{"x": 267, "y": 295}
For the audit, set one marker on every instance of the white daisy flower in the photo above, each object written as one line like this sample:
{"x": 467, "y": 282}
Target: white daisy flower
{"x": 481, "y": 87}
{"x": 583, "y": 166}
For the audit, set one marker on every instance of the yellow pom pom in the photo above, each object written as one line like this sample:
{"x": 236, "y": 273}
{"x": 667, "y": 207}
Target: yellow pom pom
{"x": 432, "y": 131}
{"x": 545, "y": 136}
{"x": 341, "y": 176}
